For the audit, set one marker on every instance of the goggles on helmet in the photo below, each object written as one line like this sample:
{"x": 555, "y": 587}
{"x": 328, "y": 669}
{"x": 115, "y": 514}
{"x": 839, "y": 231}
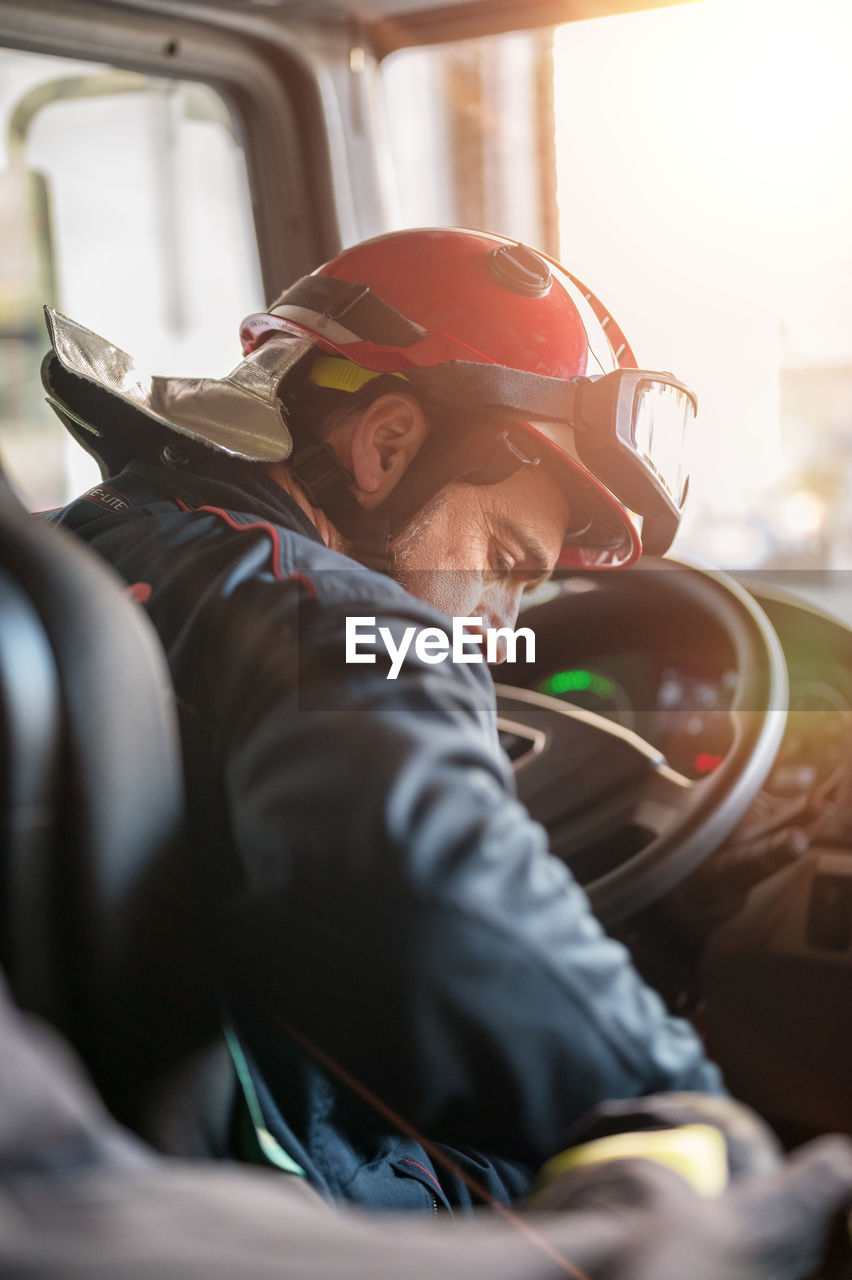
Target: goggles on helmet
{"x": 627, "y": 431}
{"x": 630, "y": 430}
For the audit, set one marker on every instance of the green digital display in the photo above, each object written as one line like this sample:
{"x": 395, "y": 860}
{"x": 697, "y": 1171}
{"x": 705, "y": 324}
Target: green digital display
{"x": 578, "y": 680}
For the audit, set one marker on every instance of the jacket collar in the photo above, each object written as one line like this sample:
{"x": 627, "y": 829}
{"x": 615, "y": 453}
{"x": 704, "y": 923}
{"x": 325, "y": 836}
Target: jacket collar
{"x": 243, "y": 489}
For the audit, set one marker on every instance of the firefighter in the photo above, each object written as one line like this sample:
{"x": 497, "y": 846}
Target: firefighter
{"x": 419, "y": 1002}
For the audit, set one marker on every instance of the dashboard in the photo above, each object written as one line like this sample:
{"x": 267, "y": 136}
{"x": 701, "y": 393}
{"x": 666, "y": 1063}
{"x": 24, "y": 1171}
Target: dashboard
{"x": 679, "y": 709}
{"x": 768, "y": 978}
{"x": 679, "y": 701}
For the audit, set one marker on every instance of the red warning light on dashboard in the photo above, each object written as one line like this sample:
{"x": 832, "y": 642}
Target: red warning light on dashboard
{"x": 707, "y": 761}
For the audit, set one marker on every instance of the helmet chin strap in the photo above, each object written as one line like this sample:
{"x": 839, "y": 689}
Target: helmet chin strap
{"x": 327, "y": 485}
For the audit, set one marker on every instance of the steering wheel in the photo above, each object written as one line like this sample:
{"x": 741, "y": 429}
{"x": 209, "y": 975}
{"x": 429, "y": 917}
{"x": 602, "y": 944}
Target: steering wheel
{"x": 629, "y": 826}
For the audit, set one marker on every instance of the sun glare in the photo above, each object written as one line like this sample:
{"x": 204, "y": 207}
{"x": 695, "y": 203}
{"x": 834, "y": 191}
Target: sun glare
{"x": 705, "y": 189}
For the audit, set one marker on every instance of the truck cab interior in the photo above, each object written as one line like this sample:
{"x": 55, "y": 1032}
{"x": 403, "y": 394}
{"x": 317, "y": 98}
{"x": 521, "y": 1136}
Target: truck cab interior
{"x": 685, "y": 731}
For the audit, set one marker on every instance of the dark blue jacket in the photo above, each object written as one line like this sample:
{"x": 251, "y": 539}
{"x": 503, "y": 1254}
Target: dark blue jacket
{"x": 375, "y": 884}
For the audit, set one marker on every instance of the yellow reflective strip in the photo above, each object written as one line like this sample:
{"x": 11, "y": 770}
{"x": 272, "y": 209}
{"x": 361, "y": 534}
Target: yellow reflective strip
{"x": 339, "y": 374}
{"x": 695, "y": 1151}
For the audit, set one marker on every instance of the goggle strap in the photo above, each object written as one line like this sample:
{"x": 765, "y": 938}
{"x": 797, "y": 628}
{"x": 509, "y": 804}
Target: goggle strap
{"x": 497, "y": 388}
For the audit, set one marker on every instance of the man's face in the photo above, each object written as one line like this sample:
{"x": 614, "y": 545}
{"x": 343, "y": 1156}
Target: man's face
{"x": 479, "y": 547}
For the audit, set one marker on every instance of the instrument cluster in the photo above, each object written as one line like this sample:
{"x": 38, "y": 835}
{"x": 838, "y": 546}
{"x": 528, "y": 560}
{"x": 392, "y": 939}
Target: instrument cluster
{"x": 685, "y": 713}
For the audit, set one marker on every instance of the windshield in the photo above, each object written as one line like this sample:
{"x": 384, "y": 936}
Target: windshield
{"x": 691, "y": 165}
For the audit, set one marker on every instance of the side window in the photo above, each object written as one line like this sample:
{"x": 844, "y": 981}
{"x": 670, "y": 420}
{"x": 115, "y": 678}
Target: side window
{"x": 471, "y": 135}
{"x": 124, "y": 202}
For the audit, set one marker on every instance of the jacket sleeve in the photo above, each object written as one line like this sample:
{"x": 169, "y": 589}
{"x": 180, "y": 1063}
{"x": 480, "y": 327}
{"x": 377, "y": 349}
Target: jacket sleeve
{"x": 400, "y": 907}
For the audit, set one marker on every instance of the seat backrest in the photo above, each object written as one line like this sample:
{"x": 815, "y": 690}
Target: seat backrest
{"x": 30, "y": 720}
{"x": 97, "y": 930}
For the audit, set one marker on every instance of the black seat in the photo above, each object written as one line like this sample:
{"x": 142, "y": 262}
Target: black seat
{"x": 97, "y": 931}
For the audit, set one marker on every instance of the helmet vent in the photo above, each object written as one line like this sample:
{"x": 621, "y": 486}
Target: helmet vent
{"x": 521, "y": 270}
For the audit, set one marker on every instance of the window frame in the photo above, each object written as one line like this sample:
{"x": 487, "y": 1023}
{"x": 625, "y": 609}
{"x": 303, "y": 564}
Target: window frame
{"x": 267, "y": 76}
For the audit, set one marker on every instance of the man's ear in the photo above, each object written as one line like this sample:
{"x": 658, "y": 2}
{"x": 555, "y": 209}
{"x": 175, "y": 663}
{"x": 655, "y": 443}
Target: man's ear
{"x": 385, "y": 438}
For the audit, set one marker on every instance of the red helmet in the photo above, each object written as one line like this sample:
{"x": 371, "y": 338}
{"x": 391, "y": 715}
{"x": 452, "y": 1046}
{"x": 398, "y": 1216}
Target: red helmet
{"x": 471, "y": 318}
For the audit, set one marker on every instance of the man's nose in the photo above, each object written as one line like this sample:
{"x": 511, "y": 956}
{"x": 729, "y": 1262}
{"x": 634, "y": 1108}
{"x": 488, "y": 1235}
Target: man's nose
{"x": 502, "y": 612}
